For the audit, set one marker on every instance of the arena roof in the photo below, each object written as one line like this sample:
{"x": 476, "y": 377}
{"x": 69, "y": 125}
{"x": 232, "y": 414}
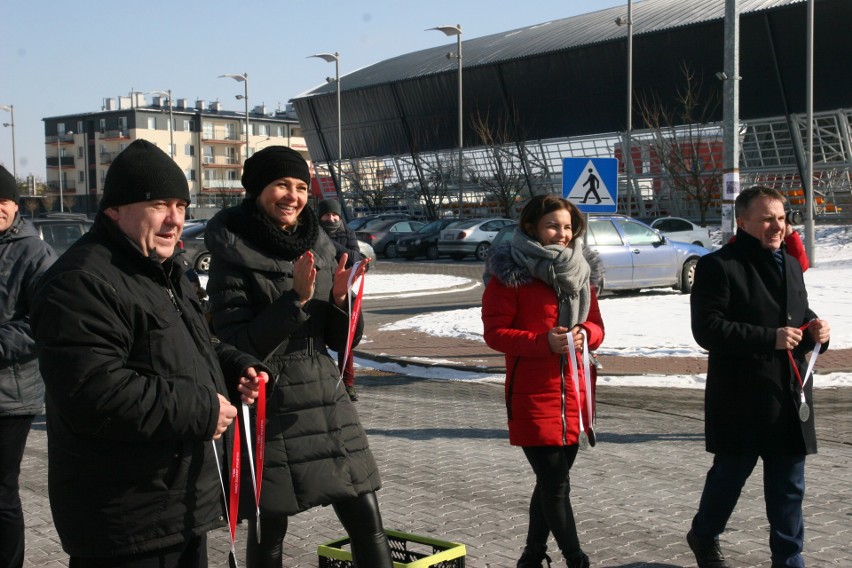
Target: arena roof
{"x": 567, "y": 77}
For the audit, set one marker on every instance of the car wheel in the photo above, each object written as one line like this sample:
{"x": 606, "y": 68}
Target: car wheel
{"x": 482, "y": 251}
{"x": 457, "y": 256}
{"x": 432, "y": 252}
{"x": 390, "y": 250}
{"x": 202, "y": 263}
{"x": 687, "y": 275}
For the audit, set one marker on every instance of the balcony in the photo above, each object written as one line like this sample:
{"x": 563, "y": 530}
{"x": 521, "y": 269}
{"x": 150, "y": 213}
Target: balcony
{"x": 67, "y": 162}
{"x": 106, "y": 157}
{"x": 68, "y": 186}
{"x": 222, "y": 186}
{"x": 222, "y": 136}
{"x": 220, "y": 162}
{"x": 114, "y": 135}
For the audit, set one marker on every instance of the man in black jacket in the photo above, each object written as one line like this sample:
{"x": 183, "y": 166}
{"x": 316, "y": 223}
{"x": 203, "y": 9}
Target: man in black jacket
{"x": 344, "y": 240}
{"x": 750, "y": 311}
{"x": 135, "y": 390}
{"x": 24, "y": 257}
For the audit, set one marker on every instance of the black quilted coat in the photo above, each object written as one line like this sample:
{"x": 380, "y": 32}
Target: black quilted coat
{"x": 317, "y": 451}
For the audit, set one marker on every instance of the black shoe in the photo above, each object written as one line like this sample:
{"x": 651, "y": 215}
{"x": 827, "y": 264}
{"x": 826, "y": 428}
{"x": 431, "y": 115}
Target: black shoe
{"x": 533, "y": 556}
{"x": 707, "y": 551}
{"x": 578, "y": 560}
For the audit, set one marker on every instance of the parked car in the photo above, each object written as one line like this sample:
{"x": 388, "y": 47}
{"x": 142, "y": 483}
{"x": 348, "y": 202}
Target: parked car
{"x": 382, "y": 235}
{"x": 192, "y": 243}
{"x": 683, "y": 230}
{"x": 60, "y": 231}
{"x": 424, "y": 242}
{"x": 634, "y": 255}
{"x": 359, "y": 223}
{"x": 473, "y": 236}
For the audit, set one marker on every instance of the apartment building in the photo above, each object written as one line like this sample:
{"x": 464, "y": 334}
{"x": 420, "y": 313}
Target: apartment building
{"x": 207, "y": 142}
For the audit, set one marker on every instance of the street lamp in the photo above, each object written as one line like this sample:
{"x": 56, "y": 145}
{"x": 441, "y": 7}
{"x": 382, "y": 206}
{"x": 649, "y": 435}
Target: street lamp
{"x": 329, "y": 57}
{"x": 168, "y": 93}
{"x": 59, "y": 166}
{"x": 243, "y": 79}
{"x": 456, "y": 31}
{"x": 628, "y": 163}
{"x": 11, "y": 109}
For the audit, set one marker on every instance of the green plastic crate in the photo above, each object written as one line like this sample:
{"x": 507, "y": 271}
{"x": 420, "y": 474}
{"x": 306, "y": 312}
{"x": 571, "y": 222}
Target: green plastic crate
{"x": 407, "y": 551}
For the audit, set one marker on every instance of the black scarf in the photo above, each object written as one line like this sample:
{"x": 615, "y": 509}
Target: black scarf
{"x": 255, "y": 226}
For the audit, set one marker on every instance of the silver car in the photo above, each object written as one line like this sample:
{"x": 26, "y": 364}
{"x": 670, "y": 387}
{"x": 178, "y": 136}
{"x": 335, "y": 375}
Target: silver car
{"x": 634, "y": 255}
{"x": 470, "y": 237}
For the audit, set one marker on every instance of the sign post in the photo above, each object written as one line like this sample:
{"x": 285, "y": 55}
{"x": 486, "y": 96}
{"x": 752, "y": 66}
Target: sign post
{"x": 591, "y": 183}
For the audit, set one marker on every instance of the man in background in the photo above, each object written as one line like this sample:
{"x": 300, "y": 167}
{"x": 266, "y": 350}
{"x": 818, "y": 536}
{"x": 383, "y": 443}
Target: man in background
{"x": 24, "y": 257}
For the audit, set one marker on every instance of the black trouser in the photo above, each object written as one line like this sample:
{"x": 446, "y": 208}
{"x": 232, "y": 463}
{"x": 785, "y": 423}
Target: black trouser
{"x": 13, "y": 440}
{"x": 190, "y": 554}
{"x": 360, "y": 518}
{"x": 550, "y": 506}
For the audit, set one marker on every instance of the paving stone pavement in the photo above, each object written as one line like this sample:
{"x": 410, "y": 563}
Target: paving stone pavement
{"x": 450, "y": 473}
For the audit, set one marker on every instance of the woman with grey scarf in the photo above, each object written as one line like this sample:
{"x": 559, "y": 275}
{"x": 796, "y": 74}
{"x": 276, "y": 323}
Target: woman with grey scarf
{"x": 539, "y": 308}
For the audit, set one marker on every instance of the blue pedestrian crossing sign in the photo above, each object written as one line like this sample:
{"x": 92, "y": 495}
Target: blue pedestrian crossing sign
{"x": 591, "y": 183}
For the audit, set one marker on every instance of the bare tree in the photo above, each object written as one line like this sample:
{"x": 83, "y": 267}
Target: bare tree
{"x": 48, "y": 201}
{"x": 32, "y": 205}
{"x": 684, "y": 144}
{"x": 504, "y": 176}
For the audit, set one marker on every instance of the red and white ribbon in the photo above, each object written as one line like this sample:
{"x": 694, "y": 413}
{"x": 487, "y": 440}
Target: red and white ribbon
{"x": 256, "y": 460}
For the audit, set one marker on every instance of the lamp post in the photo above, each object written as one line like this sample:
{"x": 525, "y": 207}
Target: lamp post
{"x": 59, "y": 166}
{"x": 168, "y": 93}
{"x": 11, "y": 109}
{"x": 628, "y": 161}
{"x": 335, "y": 57}
{"x": 243, "y": 79}
{"x": 457, "y": 31}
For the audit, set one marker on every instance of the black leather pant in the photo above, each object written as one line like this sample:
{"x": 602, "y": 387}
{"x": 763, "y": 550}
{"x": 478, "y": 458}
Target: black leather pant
{"x": 360, "y": 518}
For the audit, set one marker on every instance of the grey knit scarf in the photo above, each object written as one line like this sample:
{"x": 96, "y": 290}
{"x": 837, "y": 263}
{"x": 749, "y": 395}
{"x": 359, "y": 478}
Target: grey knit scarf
{"x": 564, "y": 268}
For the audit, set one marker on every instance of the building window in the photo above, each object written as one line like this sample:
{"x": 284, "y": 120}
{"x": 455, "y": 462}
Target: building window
{"x": 102, "y": 125}
{"x": 188, "y": 150}
{"x": 296, "y": 132}
{"x": 190, "y": 174}
{"x": 80, "y": 126}
{"x": 264, "y": 129}
{"x": 230, "y": 131}
{"x": 122, "y": 124}
{"x": 207, "y": 130}
{"x": 81, "y": 176}
{"x": 187, "y": 125}
{"x": 103, "y": 175}
{"x": 80, "y": 152}
{"x": 152, "y": 123}
{"x": 280, "y": 131}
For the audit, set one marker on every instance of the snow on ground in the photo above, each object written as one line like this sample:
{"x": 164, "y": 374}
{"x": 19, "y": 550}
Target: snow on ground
{"x": 653, "y": 323}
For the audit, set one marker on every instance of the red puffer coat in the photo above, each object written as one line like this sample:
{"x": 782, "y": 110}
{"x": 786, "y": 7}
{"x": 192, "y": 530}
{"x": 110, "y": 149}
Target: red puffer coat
{"x": 541, "y": 404}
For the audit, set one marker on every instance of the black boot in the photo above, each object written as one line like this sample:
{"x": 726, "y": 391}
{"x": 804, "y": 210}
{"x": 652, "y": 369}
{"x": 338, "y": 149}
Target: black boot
{"x": 577, "y": 560}
{"x": 533, "y": 556}
{"x": 707, "y": 552}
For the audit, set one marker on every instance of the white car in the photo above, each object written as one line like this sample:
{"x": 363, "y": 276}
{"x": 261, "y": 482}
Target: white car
{"x": 682, "y": 230}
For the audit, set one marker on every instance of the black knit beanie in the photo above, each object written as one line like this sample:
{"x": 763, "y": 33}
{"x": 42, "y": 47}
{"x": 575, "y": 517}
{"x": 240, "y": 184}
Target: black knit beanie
{"x": 328, "y": 206}
{"x": 8, "y": 185}
{"x": 143, "y": 172}
{"x": 270, "y": 164}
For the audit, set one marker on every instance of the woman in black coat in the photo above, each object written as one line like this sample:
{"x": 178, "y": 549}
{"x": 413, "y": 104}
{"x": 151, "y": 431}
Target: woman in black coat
{"x": 344, "y": 241}
{"x": 277, "y": 291}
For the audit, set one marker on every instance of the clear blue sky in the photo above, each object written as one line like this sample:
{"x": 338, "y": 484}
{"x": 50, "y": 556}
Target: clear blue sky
{"x": 60, "y": 57}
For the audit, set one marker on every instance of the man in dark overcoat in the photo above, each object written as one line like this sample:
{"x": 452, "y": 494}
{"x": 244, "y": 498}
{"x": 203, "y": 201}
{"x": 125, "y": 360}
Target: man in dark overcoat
{"x": 750, "y": 310}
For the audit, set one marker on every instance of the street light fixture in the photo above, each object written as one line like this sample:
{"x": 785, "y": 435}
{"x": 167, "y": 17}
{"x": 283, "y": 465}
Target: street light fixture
{"x": 11, "y": 109}
{"x": 335, "y": 57}
{"x": 243, "y": 79}
{"x": 456, "y": 31}
{"x": 168, "y": 93}
{"x": 59, "y": 166}
{"x": 628, "y": 161}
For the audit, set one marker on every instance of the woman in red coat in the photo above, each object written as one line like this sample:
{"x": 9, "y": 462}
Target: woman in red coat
{"x": 539, "y": 307}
